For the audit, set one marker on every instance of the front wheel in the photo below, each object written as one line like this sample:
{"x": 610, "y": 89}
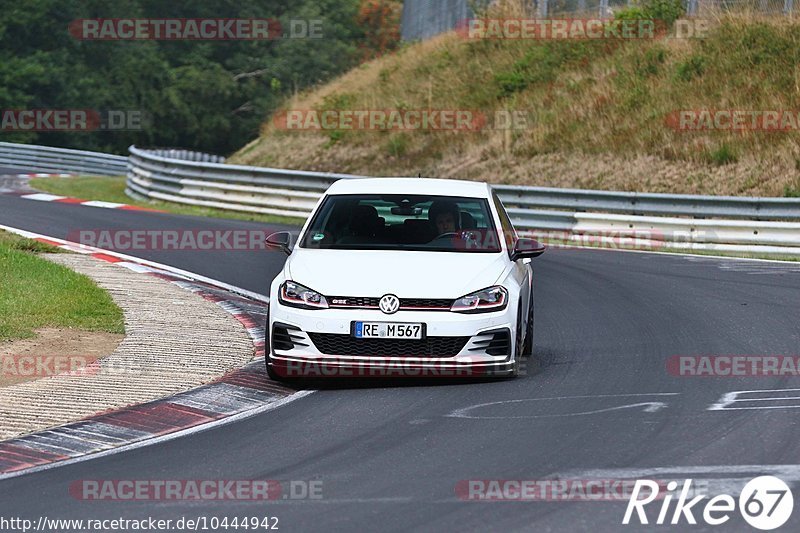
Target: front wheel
{"x": 527, "y": 347}
{"x": 518, "y": 347}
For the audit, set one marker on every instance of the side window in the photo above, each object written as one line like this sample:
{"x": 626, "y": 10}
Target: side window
{"x": 509, "y": 234}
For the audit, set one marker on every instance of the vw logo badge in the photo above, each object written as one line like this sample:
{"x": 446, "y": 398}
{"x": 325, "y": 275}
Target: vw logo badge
{"x": 389, "y": 304}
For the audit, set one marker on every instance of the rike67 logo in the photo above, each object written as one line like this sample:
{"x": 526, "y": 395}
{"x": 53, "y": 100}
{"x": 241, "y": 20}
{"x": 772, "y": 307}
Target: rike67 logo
{"x": 766, "y": 503}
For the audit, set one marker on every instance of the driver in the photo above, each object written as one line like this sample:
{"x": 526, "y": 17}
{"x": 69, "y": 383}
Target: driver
{"x": 443, "y": 215}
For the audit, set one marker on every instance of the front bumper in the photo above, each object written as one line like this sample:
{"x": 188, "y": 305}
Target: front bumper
{"x": 307, "y": 344}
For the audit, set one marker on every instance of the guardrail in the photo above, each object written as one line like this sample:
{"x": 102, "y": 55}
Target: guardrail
{"x": 521, "y": 200}
{"x": 191, "y": 178}
{"x": 49, "y": 159}
{"x": 768, "y": 226}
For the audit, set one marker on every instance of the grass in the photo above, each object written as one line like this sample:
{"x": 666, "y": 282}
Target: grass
{"x": 792, "y": 190}
{"x": 37, "y": 293}
{"x": 599, "y": 112}
{"x": 112, "y": 189}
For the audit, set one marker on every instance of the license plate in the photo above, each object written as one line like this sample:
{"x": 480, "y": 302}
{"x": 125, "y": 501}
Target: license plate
{"x": 387, "y": 330}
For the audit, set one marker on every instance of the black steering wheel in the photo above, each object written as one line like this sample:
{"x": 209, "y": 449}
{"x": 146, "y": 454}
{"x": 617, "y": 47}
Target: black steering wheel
{"x": 449, "y": 235}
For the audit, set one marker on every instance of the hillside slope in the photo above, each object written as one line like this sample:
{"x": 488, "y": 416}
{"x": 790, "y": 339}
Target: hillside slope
{"x": 598, "y": 112}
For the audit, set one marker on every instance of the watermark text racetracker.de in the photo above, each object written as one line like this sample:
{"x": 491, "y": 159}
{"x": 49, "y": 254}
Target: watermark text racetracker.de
{"x": 172, "y": 239}
{"x": 547, "y": 490}
{"x": 194, "y": 29}
{"x": 25, "y": 367}
{"x": 608, "y": 238}
{"x": 33, "y": 366}
{"x": 559, "y": 29}
{"x": 398, "y": 366}
{"x": 72, "y": 120}
{"x": 155, "y": 490}
{"x": 442, "y": 120}
{"x": 734, "y": 120}
{"x": 734, "y": 365}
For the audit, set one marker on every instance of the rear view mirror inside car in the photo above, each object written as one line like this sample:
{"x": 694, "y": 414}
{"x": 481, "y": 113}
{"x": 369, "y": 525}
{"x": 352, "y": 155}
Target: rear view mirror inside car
{"x": 407, "y": 210}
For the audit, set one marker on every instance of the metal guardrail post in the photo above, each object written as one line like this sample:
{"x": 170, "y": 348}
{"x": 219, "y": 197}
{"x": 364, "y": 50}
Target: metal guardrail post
{"x": 542, "y": 8}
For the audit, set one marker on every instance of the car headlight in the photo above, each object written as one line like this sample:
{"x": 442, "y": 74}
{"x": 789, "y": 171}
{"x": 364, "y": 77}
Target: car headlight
{"x": 482, "y": 301}
{"x": 296, "y": 295}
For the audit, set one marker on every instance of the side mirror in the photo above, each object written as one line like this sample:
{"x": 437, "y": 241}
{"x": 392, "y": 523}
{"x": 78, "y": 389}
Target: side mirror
{"x": 527, "y": 248}
{"x": 282, "y": 241}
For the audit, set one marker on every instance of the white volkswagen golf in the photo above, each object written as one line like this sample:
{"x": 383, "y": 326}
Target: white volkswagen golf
{"x": 402, "y": 277}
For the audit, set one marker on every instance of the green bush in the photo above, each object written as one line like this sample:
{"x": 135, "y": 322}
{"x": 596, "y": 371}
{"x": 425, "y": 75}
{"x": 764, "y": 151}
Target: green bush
{"x": 630, "y": 13}
{"x": 691, "y": 68}
{"x": 723, "y": 155}
{"x": 667, "y": 11}
{"x": 650, "y": 65}
{"x": 663, "y": 11}
{"x": 510, "y": 82}
{"x": 793, "y": 190}
{"x": 542, "y": 63}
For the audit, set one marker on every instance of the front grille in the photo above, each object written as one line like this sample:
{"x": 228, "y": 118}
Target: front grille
{"x": 335, "y": 344}
{"x": 441, "y": 303}
{"x": 405, "y": 303}
{"x": 351, "y": 301}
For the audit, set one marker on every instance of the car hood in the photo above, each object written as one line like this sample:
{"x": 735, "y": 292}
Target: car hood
{"x": 407, "y": 274}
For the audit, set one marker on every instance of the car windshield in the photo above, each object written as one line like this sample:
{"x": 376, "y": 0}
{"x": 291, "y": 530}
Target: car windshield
{"x": 403, "y": 222}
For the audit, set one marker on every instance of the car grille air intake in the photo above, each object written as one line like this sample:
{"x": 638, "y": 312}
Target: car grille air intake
{"x": 495, "y": 342}
{"x": 434, "y": 304}
{"x": 438, "y": 303}
{"x": 284, "y": 338}
{"x": 336, "y": 344}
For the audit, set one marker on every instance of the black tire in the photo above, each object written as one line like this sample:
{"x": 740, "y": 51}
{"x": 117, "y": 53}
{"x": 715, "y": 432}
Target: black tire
{"x": 518, "y": 348}
{"x": 274, "y": 376}
{"x": 527, "y": 348}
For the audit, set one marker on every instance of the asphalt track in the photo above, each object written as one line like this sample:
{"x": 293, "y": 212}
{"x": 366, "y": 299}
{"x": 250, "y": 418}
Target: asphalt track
{"x": 601, "y": 404}
{"x": 8, "y": 170}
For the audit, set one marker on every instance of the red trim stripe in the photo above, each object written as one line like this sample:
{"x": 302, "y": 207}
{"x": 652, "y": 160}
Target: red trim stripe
{"x": 106, "y": 257}
{"x": 70, "y": 201}
{"x": 159, "y": 418}
{"x": 137, "y": 208}
{"x": 48, "y": 241}
{"x": 13, "y": 458}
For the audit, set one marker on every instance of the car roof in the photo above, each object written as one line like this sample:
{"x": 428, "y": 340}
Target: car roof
{"x": 431, "y": 186}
